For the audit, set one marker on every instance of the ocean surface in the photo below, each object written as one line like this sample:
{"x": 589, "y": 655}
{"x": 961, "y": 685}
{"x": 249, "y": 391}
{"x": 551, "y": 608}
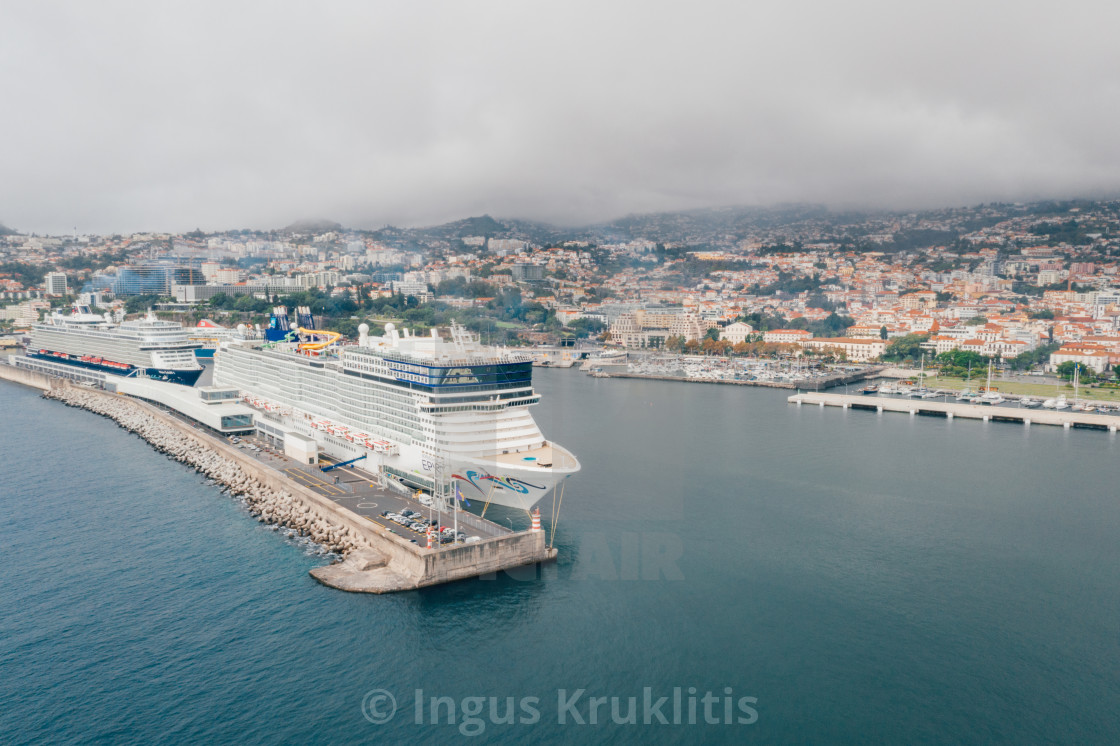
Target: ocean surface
{"x": 828, "y": 576}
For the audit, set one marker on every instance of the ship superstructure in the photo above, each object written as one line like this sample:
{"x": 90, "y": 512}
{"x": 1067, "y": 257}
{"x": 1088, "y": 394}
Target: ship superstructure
{"x": 146, "y": 347}
{"x": 417, "y": 404}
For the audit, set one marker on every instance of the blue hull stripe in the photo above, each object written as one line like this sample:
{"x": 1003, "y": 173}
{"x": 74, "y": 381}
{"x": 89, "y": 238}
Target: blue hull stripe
{"x": 183, "y": 377}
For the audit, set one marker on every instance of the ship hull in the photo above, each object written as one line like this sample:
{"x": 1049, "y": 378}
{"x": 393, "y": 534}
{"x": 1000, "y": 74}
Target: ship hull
{"x": 182, "y": 377}
{"x": 482, "y": 480}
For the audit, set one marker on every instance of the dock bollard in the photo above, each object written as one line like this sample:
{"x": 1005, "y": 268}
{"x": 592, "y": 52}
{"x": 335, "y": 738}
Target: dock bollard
{"x": 536, "y": 519}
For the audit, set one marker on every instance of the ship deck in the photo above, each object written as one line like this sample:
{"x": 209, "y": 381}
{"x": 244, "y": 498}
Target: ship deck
{"x": 545, "y": 456}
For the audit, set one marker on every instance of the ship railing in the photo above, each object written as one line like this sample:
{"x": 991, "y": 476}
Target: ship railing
{"x": 444, "y": 361}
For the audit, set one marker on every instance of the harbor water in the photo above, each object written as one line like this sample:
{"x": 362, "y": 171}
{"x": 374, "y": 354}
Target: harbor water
{"x": 828, "y": 576}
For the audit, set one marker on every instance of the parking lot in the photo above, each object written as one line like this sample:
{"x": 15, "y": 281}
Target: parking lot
{"x": 358, "y": 490}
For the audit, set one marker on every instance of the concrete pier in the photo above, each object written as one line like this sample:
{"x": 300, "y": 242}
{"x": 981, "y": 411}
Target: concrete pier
{"x": 25, "y": 377}
{"x": 376, "y": 560}
{"x": 914, "y": 407}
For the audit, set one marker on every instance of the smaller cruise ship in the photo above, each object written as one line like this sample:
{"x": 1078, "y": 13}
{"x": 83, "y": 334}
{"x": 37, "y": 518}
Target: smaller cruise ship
{"x": 210, "y": 335}
{"x": 147, "y": 347}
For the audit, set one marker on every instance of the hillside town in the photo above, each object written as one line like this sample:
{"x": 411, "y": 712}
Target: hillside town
{"x": 1031, "y": 283}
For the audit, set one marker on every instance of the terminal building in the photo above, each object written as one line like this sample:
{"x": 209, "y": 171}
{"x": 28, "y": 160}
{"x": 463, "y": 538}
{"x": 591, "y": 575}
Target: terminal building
{"x": 214, "y": 408}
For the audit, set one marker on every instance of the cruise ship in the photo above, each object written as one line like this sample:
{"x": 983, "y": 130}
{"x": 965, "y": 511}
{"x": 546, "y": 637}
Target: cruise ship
{"x": 423, "y": 408}
{"x": 210, "y": 335}
{"x": 145, "y": 347}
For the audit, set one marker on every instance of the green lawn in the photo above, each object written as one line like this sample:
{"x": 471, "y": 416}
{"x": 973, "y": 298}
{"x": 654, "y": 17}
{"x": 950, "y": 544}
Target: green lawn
{"x": 1042, "y": 390}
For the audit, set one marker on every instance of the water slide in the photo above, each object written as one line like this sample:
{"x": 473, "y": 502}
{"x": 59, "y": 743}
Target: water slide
{"x": 331, "y": 338}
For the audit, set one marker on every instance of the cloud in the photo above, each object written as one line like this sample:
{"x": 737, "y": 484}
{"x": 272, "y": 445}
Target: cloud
{"x": 127, "y": 116}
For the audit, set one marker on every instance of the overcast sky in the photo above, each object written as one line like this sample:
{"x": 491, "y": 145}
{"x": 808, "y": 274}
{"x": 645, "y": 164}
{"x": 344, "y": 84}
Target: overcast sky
{"x": 175, "y": 115}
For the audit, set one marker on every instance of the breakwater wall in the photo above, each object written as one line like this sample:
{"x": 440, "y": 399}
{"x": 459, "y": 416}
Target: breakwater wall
{"x": 683, "y": 379}
{"x": 376, "y": 560}
{"x": 804, "y": 383}
{"x": 264, "y": 501}
{"x": 25, "y": 377}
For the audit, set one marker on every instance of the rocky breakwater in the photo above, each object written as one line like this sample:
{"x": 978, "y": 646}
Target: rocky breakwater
{"x": 279, "y": 508}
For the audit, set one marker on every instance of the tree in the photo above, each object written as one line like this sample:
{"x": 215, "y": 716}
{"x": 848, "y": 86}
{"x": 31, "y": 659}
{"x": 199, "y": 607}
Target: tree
{"x": 1066, "y": 370}
{"x": 712, "y": 334}
{"x": 959, "y": 362}
{"x": 138, "y": 303}
{"x": 883, "y": 333}
{"x": 962, "y": 359}
{"x": 976, "y": 321}
{"x": 906, "y": 349}
{"x": 1031, "y": 358}
{"x": 585, "y": 327}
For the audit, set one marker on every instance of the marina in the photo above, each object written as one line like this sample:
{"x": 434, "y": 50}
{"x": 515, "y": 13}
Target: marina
{"x": 950, "y": 409}
{"x": 788, "y": 374}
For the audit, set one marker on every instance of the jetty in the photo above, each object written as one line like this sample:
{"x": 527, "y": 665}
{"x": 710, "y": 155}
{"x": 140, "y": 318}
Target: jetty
{"x": 375, "y": 559}
{"x": 949, "y": 410}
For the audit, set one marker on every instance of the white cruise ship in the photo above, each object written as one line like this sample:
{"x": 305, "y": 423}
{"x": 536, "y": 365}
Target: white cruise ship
{"x": 210, "y": 335}
{"x": 409, "y": 403}
{"x": 145, "y": 347}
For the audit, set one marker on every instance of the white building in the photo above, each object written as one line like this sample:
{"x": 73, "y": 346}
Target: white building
{"x": 641, "y": 328}
{"x": 856, "y": 350}
{"x": 1097, "y": 360}
{"x": 786, "y": 336}
{"x": 737, "y": 332}
{"x": 55, "y": 283}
